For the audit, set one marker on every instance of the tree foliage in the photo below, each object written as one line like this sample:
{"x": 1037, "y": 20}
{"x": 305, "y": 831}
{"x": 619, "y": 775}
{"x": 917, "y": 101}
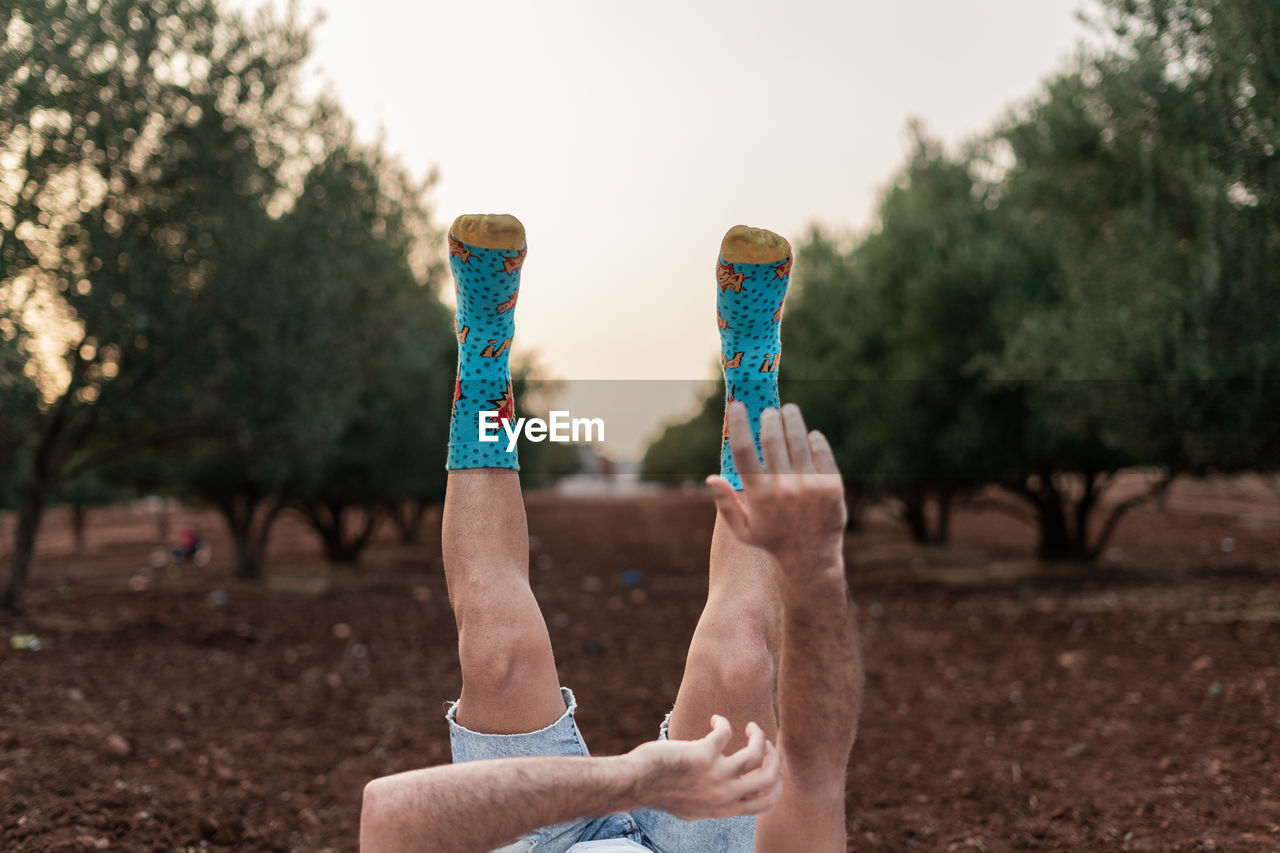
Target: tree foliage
{"x": 1089, "y": 288}
{"x": 140, "y": 143}
{"x": 208, "y": 285}
{"x": 895, "y": 368}
{"x": 397, "y": 344}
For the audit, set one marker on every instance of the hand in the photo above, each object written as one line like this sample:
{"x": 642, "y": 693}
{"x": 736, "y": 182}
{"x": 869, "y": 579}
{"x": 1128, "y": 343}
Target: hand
{"x": 793, "y": 507}
{"x": 694, "y": 779}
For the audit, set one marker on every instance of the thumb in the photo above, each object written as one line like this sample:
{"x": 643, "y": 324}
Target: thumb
{"x": 730, "y": 507}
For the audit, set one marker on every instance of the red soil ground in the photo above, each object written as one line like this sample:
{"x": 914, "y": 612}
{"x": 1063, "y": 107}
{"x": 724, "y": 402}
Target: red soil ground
{"x": 1009, "y": 707}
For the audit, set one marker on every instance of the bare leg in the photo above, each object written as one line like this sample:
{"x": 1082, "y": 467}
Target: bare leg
{"x": 732, "y": 665}
{"x": 509, "y": 681}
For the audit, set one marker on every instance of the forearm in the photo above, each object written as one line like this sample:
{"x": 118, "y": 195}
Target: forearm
{"x": 479, "y": 805}
{"x": 820, "y": 676}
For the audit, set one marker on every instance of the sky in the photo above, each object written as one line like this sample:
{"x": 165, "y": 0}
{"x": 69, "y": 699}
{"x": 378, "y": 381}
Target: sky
{"x": 628, "y": 137}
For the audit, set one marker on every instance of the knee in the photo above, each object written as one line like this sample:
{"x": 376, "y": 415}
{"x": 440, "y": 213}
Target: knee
{"x": 740, "y": 654}
{"x": 497, "y": 645}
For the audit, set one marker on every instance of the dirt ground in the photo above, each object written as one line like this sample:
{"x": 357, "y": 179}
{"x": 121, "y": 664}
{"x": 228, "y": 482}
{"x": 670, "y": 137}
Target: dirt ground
{"x": 1009, "y": 707}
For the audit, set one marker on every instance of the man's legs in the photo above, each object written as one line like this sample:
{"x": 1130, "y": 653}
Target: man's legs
{"x": 732, "y": 664}
{"x": 509, "y": 681}
{"x": 731, "y": 669}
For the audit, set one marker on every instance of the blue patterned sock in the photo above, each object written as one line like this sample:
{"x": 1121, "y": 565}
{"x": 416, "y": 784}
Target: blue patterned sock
{"x": 749, "y": 313}
{"x": 487, "y": 282}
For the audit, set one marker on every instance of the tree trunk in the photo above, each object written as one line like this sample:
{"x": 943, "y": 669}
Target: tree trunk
{"x": 1057, "y": 542}
{"x": 856, "y": 506}
{"x": 1118, "y": 512}
{"x": 29, "y": 515}
{"x": 163, "y": 527}
{"x": 49, "y": 459}
{"x": 336, "y": 551}
{"x": 331, "y": 521}
{"x": 914, "y": 515}
{"x": 250, "y": 532}
{"x": 239, "y": 513}
{"x": 943, "y": 530}
{"x": 248, "y": 560}
{"x": 79, "y": 515}
{"x": 1060, "y": 541}
{"x": 408, "y": 516}
{"x": 1082, "y": 511}
{"x": 264, "y": 536}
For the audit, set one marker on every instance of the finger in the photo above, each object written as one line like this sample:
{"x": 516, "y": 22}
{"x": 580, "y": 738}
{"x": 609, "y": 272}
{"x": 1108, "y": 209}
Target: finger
{"x": 720, "y": 735}
{"x": 759, "y": 790}
{"x": 762, "y": 800}
{"x": 762, "y": 803}
{"x": 769, "y": 769}
{"x": 730, "y": 508}
{"x": 797, "y": 438}
{"x": 824, "y": 458}
{"x": 774, "y": 443}
{"x": 763, "y": 778}
{"x": 742, "y": 444}
{"x": 756, "y": 804}
{"x": 750, "y": 756}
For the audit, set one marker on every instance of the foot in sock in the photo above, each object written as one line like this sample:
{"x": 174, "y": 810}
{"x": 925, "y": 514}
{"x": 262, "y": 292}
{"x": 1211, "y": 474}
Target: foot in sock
{"x": 485, "y": 255}
{"x": 752, "y": 276}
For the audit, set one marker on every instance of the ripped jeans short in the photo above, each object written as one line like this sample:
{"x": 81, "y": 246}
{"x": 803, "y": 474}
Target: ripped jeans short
{"x": 652, "y": 828}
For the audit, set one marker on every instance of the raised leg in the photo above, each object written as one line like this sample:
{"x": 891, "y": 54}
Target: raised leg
{"x": 732, "y": 665}
{"x": 732, "y": 668}
{"x": 509, "y": 682}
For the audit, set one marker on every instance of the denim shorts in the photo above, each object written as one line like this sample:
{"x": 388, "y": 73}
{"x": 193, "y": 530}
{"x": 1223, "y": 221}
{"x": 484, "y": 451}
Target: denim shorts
{"x": 653, "y": 828}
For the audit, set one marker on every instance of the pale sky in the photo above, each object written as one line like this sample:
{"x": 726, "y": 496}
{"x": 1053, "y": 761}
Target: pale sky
{"x": 628, "y": 137}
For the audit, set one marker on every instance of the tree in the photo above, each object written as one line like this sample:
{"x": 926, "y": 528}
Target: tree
{"x": 389, "y": 460}
{"x": 1150, "y": 170}
{"x": 18, "y": 396}
{"x": 1087, "y": 290}
{"x": 885, "y": 342}
{"x": 140, "y": 141}
{"x": 294, "y": 333}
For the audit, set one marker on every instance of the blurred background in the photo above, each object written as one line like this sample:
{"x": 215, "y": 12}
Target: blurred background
{"x": 1033, "y": 305}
